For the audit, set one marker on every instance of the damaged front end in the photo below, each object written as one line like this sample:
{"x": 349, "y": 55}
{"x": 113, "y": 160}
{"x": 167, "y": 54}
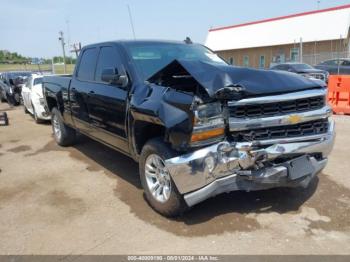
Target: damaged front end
{"x": 252, "y": 130}
{"x": 273, "y": 141}
{"x": 226, "y": 166}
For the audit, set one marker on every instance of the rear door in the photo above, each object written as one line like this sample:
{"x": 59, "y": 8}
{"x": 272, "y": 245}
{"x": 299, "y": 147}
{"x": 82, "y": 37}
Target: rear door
{"x": 81, "y": 84}
{"x": 107, "y": 102}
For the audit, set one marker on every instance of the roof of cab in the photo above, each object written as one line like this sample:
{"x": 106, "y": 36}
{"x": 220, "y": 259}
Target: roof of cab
{"x": 126, "y": 42}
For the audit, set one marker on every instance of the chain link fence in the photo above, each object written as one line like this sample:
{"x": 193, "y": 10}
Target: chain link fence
{"x": 314, "y": 59}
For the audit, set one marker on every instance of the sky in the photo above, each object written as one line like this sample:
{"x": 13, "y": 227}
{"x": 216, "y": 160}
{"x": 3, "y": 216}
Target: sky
{"x": 30, "y": 27}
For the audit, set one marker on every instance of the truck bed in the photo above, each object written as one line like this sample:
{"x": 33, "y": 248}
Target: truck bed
{"x": 56, "y": 83}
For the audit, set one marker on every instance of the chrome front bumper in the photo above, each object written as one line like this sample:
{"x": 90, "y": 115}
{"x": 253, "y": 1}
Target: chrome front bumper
{"x": 225, "y": 167}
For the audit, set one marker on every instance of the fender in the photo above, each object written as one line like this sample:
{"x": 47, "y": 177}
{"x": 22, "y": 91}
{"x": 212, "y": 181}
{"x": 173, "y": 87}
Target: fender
{"x": 167, "y": 108}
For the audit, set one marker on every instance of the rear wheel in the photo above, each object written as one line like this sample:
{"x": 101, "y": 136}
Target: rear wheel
{"x": 160, "y": 190}
{"x": 2, "y": 98}
{"x": 25, "y": 109}
{"x": 64, "y": 135}
{"x": 5, "y": 119}
{"x": 35, "y": 115}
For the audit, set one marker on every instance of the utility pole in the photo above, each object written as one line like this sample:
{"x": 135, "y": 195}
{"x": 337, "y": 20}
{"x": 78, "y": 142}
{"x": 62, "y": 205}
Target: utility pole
{"x": 131, "y": 23}
{"x": 61, "y": 38}
{"x": 76, "y": 49}
{"x": 53, "y": 66}
{"x": 68, "y": 35}
{"x": 301, "y": 51}
{"x": 339, "y": 50}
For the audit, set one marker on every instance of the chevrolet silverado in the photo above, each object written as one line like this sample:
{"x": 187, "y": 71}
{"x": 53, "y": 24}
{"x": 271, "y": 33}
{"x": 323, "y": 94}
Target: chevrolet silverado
{"x": 197, "y": 126}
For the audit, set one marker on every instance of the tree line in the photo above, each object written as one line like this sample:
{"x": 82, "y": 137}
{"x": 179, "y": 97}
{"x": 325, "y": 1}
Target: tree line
{"x": 7, "y": 57}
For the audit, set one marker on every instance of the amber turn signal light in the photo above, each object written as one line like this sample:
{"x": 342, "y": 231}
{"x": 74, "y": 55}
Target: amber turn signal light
{"x": 207, "y": 134}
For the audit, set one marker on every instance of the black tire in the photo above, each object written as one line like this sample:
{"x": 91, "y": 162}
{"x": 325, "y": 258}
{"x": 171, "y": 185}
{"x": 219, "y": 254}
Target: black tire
{"x": 67, "y": 135}
{"x": 175, "y": 205}
{"x": 6, "y": 119}
{"x": 2, "y": 99}
{"x": 10, "y": 100}
{"x": 16, "y": 99}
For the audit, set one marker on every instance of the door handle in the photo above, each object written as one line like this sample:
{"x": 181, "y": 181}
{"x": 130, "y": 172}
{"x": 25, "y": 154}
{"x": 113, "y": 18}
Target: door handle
{"x": 92, "y": 92}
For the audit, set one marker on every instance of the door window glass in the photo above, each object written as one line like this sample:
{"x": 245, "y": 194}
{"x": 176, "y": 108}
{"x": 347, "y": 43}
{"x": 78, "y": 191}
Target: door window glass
{"x": 38, "y": 81}
{"x": 331, "y": 62}
{"x": 87, "y": 64}
{"x": 346, "y": 63}
{"x": 108, "y": 58}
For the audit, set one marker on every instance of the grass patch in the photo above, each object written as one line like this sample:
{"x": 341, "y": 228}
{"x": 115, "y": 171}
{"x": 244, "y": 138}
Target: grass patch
{"x": 59, "y": 69}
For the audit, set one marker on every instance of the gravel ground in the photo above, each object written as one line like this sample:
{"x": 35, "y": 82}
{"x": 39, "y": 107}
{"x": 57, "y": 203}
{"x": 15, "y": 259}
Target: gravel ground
{"x": 87, "y": 199}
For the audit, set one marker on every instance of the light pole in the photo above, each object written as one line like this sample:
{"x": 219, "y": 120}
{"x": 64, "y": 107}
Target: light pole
{"x": 61, "y": 38}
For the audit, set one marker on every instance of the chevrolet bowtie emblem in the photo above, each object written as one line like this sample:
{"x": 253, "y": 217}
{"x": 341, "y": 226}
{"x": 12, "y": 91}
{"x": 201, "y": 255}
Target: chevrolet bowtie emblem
{"x": 294, "y": 119}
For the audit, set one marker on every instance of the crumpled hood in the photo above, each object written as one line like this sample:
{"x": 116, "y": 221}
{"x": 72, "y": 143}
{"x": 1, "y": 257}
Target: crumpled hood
{"x": 250, "y": 82}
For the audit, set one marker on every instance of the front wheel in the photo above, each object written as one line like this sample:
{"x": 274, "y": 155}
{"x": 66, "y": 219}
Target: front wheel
{"x": 64, "y": 135}
{"x": 160, "y": 190}
{"x": 17, "y": 99}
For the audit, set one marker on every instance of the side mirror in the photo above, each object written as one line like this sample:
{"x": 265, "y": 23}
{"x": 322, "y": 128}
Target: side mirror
{"x": 111, "y": 76}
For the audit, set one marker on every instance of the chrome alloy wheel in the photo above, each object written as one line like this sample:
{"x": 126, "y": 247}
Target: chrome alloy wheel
{"x": 157, "y": 178}
{"x": 56, "y": 127}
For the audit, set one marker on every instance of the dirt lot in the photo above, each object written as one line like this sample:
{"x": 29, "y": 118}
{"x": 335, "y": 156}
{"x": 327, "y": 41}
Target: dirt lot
{"x": 87, "y": 199}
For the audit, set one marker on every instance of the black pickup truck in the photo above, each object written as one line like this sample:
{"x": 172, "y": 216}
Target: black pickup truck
{"x": 197, "y": 126}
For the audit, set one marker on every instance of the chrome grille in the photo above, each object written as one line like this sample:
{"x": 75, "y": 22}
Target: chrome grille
{"x": 277, "y": 108}
{"x": 304, "y": 129}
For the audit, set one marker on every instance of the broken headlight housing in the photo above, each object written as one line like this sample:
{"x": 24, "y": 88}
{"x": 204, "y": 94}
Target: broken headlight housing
{"x": 208, "y": 124}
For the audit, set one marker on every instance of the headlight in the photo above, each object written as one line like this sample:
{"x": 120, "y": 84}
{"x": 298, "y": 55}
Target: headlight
{"x": 208, "y": 123}
{"x": 327, "y": 75}
{"x": 308, "y": 76}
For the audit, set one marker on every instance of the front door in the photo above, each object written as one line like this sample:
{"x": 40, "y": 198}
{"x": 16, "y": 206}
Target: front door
{"x": 107, "y": 102}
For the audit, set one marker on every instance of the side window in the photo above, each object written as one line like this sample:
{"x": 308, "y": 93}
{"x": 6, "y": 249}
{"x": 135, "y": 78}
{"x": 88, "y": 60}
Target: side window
{"x": 331, "y": 62}
{"x": 38, "y": 81}
{"x": 281, "y": 67}
{"x": 86, "y": 70}
{"x": 346, "y": 63}
{"x": 108, "y": 58}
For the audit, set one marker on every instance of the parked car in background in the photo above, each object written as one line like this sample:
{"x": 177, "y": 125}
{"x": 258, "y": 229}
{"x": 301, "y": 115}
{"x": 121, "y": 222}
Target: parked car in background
{"x": 14, "y": 82}
{"x": 197, "y": 126}
{"x": 303, "y": 69}
{"x": 335, "y": 66}
{"x": 33, "y": 101}
{"x": 3, "y": 89}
